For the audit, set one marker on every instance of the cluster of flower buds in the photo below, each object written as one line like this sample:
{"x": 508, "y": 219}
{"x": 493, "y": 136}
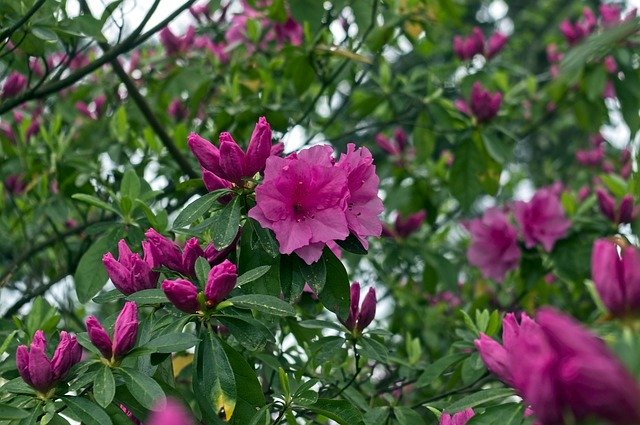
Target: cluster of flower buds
{"x": 13, "y": 85}
{"x": 625, "y": 212}
{"x": 186, "y": 297}
{"x": 483, "y": 105}
{"x": 130, "y": 273}
{"x": 125, "y": 333}
{"x": 174, "y": 44}
{"x": 37, "y": 370}
{"x": 227, "y": 165}
{"x": 467, "y": 47}
{"x": 360, "y": 316}
{"x": 394, "y": 146}
{"x": 561, "y": 369}
{"x": 575, "y": 32}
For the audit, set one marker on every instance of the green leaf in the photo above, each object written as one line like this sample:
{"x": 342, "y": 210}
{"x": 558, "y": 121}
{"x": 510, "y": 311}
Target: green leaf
{"x": 340, "y": 411}
{"x": 107, "y": 297}
{"x": 96, "y": 202}
{"x": 251, "y": 275}
{"x": 291, "y": 279}
{"x": 148, "y": 296}
{"x": 104, "y": 386}
{"x": 172, "y": 342}
{"x": 265, "y": 303}
{"x": 335, "y": 295}
{"x": 7, "y": 341}
{"x": 352, "y": 244}
{"x": 197, "y": 208}
{"x": 90, "y": 275}
{"x": 213, "y": 381}
{"x": 284, "y": 383}
{"x": 202, "y": 271}
{"x": 88, "y": 411}
{"x": 407, "y": 416}
{"x": 503, "y": 414}
{"x": 377, "y": 416}
{"x": 130, "y": 185}
{"x": 476, "y": 399}
{"x": 375, "y": 350}
{"x": 265, "y": 238}
{"x": 143, "y": 388}
{"x": 437, "y": 368}
{"x": 225, "y": 223}
{"x": 251, "y": 333}
{"x": 9, "y": 412}
{"x": 315, "y": 274}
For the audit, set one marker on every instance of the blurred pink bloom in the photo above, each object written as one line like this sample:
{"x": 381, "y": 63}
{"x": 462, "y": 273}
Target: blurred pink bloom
{"x": 494, "y": 248}
{"x": 542, "y": 219}
{"x": 169, "y": 412}
{"x": 174, "y": 44}
{"x": 616, "y": 276}
{"x": 460, "y": 418}
{"x": 176, "y": 110}
{"x": 483, "y": 105}
{"x": 495, "y": 44}
{"x": 13, "y": 84}
{"x": 467, "y": 47}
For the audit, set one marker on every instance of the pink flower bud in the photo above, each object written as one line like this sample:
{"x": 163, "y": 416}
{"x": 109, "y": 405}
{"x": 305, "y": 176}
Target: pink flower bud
{"x": 232, "y": 159}
{"x": 367, "y": 310}
{"x": 496, "y": 42}
{"x": 484, "y": 104}
{"x": 13, "y": 85}
{"x": 626, "y": 212}
{"x": 182, "y": 294}
{"x": 177, "y": 110}
{"x": 607, "y": 204}
{"x": 220, "y": 282}
{"x": 610, "y": 65}
{"x": 206, "y": 153}
{"x": 460, "y": 418}
{"x": 130, "y": 273}
{"x": 405, "y": 226}
{"x": 99, "y": 337}
{"x": 125, "y": 330}
{"x": 169, "y": 412}
{"x": 259, "y": 148}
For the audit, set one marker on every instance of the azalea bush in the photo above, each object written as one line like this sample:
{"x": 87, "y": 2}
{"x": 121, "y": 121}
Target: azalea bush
{"x": 354, "y": 212}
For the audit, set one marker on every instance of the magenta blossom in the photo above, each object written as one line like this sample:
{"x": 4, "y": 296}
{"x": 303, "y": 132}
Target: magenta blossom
{"x": 460, "y": 418}
{"x": 13, "y": 85}
{"x": 124, "y": 335}
{"x": 494, "y": 248}
{"x": 560, "y": 368}
{"x": 616, "y": 276}
{"x": 394, "y": 146}
{"x": 495, "y": 44}
{"x": 169, "y": 412}
{"x": 170, "y": 255}
{"x": 467, "y": 47}
{"x": 625, "y": 212}
{"x": 34, "y": 365}
{"x": 483, "y": 105}
{"x": 130, "y": 273}
{"x": 406, "y": 225}
{"x": 229, "y": 162}
{"x": 174, "y": 44}
{"x": 360, "y": 316}
{"x": 303, "y": 199}
{"x": 542, "y": 219}
{"x": 363, "y": 204}
{"x": 575, "y": 32}
{"x": 177, "y": 110}
{"x": 220, "y": 282}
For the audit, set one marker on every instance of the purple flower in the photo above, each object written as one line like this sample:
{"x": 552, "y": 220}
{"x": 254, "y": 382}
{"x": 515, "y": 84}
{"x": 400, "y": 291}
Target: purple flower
{"x": 363, "y": 204}
{"x": 229, "y": 162}
{"x": 404, "y": 226}
{"x": 467, "y": 47}
{"x": 484, "y": 105}
{"x": 13, "y": 85}
{"x": 37, "y": 370}
{"x": 616, "y": 276}
{"x": 360, "y": 316}
{"x": 394, "y": 146}
{"x": 182, "y": 294}
{"x": 15, "y": 184}
{"x": 169, "y": 412}
{"x": 542, "y": 219}
{"x": 495, "y": 44}
{"x": 575, "y": 32}
{"x": 494, "y": 248}
{"x": 124, "y": 335}
{"x": 177, "y": 110}
{"x": 558, "y": 367}
{"x": 174, "y": 44}
{"x": 220, "y": 282}
{"x": 303, "y": 199}
{"x": 460, "y": 418}
{"x": 171, "y": 256}
{"x": 130, "y": 273}
{"x": 626, "y": 212}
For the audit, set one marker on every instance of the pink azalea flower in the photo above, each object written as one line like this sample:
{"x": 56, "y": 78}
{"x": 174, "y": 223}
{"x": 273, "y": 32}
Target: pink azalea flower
{"x": 363, "y": 204}
{"x": 542, "y": 219}
{"x": 303, "y": 199}
{"x": 494, "y": 248}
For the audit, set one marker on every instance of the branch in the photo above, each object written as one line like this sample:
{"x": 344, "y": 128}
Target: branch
{"x": 128, "y": 44}
{"x": 9, "y": 31}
